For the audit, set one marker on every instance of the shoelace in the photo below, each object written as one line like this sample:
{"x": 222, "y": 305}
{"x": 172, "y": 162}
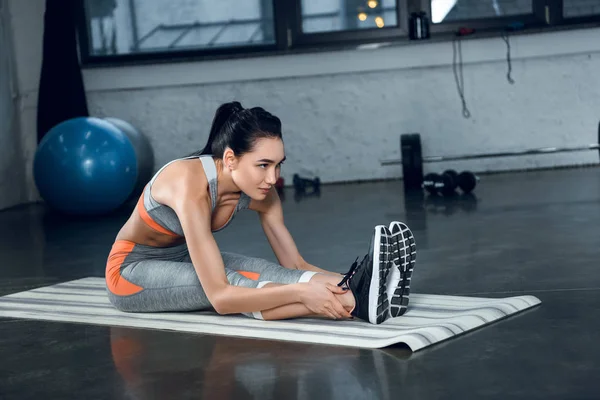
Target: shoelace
{"x": 350, "y": 273}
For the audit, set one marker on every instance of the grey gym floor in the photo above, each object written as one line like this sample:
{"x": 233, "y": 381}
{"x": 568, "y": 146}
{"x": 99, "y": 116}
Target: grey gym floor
{"x": 521, "y": 233}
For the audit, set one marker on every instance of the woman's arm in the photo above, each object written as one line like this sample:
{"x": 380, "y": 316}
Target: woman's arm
{"x": 194, "y": 214}
{"x": 319, "y": 298}
{"x": 270, "y": 212}
{"x": 186, "y": 191}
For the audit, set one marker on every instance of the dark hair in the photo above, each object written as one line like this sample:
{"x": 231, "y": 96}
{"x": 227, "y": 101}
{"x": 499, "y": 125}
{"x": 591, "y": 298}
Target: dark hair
{"x": 239, "y": 128}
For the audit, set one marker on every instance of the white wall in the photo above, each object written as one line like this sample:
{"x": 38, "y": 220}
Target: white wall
{"x": 12, "y": 179}
{"x": 344, "y": 111}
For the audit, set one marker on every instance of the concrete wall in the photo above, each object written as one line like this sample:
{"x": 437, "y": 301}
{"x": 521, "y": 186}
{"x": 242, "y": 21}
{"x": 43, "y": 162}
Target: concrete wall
{"x": 12, "y": 179}
{"x": 344, "y": 111}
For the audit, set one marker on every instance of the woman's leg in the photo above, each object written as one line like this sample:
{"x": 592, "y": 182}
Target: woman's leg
{"x": 167, "y": 286}
{"x": 171, "y": 286}
{"x": 296, "y": 310}
{"x": 151, "y": 279}
{"x": 144, "y": 279}
{"x": 266, "y": 271}
{"x": 263, "y": 270}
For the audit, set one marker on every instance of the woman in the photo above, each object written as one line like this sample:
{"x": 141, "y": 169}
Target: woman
{"x": 165, "y": 257}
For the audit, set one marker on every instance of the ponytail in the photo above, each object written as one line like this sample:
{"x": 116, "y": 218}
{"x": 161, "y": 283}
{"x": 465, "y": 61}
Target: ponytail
{"x": 238, "y": 128}
{"x": 222, "y": 116}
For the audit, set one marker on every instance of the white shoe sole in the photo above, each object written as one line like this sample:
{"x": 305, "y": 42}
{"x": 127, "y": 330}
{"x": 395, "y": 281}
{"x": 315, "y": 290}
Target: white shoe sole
{"x": 378, "y": 297}
{"x": 403, "y": 257}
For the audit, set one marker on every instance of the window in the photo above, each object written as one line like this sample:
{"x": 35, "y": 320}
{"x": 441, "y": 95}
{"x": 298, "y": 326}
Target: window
{"x": 580, "y": 8}
{"x": 150, "y": 26}
{"x": 117, "y": 31}
{"x": 318, "y": 22}
{"x": 460, "y": 10}
{"x": 336, "y": 15}
{"x": 447, "y": 16}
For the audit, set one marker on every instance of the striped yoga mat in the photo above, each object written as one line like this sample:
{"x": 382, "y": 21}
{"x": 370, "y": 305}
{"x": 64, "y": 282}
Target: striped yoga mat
{"x": 430, "y": 319}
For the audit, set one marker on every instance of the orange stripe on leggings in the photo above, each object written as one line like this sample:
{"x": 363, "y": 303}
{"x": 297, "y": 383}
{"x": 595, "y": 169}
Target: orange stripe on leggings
{"x": 149, "y": 221}
{"x": 114, "y": 281}
{"x": 250, "y": 275}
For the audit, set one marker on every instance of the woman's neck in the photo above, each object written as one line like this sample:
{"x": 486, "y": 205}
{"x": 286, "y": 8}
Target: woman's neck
{"x": 225, "y": 184}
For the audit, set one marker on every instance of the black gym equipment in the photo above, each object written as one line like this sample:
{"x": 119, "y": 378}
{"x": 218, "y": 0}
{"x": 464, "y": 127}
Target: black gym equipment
{"x": 447, "y": 182}
{"x": 412, "y": 159}
{"x": 302, "y": 184}
{"x": 436, "y": 183}
{"x": 467, "y": 181}
{"x": 452, "y": 173}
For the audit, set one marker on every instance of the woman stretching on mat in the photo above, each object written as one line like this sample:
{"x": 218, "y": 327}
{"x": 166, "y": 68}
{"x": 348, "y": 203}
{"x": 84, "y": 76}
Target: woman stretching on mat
{"x": 165, "y": 257}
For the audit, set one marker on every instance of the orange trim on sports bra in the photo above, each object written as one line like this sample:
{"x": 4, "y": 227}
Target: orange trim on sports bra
{"x": 149, "y": 221}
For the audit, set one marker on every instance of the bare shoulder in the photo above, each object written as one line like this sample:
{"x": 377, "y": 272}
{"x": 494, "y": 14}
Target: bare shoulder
{"x": 180, "y": 182}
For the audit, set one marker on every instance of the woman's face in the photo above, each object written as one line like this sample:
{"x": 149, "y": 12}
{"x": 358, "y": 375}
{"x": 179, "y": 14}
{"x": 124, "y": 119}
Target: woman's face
{"x": 256, "y": 172}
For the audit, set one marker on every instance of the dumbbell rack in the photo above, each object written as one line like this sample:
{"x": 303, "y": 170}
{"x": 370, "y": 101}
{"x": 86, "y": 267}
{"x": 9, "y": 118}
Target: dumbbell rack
{"x": 447, "y": 183}
{"x": 412, "y": 159}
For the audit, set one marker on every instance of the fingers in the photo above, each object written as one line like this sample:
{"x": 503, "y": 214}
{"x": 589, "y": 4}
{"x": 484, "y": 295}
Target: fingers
{"x": 335, "y": 289}
{"x": 331, "y": 314}
{"x": 334, "y": 312}
{"x": 331, "y": 309}
{"x": 338, "y": 309}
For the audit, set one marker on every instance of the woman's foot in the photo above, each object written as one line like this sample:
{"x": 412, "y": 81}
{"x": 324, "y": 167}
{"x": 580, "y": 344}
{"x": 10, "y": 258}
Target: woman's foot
{"x": 367, "y": 279}
{"x": 404, "y": 254}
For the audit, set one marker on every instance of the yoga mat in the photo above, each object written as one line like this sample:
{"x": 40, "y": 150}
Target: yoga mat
{"x": 430, "y": 318}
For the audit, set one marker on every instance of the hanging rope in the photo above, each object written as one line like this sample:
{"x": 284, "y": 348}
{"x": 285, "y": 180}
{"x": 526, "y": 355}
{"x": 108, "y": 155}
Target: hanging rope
{"x": 508, "y": 59}
{"x": 457, "y": 67}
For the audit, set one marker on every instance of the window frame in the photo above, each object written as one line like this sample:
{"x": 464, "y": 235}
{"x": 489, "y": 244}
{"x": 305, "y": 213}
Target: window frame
{"x": 87, "y": 58}
{"x": 357, "y": 36}
{"x": 289, "y": 38}
{"x": 534, "y": 19}
{"x": 579, "y": 20}
{"x": 538, "y": 18}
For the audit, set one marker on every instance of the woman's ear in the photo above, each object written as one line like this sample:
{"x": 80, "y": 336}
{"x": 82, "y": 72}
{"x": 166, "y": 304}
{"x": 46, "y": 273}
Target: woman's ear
{"x": 229, "y": 159}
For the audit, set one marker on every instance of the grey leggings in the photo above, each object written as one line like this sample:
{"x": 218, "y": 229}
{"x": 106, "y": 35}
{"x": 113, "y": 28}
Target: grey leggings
{"x": 152, "y": 279}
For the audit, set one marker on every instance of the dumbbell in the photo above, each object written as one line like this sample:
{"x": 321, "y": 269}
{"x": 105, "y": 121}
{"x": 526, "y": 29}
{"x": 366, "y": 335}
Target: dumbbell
{"x": 301, "y": 184}
{"x": 447, "y": 183}
{"x": 467, "y": 181}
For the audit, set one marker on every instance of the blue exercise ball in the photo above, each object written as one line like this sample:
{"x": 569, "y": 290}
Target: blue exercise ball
{"x": 143, "y": 153}
{"x": 85, "y": 165}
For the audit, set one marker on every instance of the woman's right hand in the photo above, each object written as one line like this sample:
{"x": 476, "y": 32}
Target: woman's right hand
{"x": 321, "y": 299}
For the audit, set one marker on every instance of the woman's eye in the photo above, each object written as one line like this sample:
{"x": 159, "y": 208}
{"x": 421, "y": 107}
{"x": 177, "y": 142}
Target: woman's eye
{"x": 263, "y": 165}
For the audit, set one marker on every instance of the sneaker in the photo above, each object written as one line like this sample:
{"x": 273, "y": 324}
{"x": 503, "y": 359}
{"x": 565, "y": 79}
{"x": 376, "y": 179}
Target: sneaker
{"x": 367, "y": 279}
{"x": 403, "y": 256}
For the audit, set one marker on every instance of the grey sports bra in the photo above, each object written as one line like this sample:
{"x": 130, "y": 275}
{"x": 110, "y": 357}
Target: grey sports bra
{"x": 163, "y": 219}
